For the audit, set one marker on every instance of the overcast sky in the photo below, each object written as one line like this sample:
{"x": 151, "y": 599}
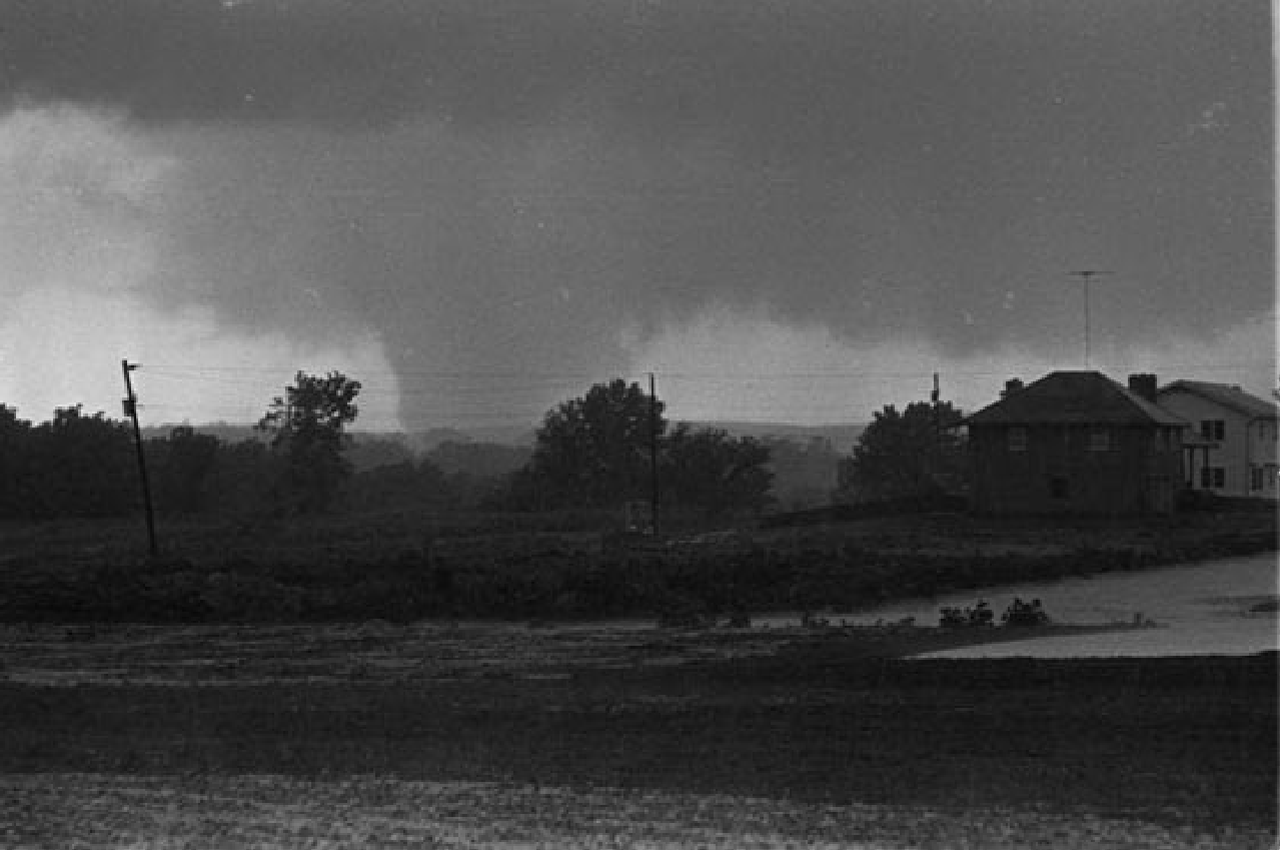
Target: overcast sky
{"x": 788, "y": 210}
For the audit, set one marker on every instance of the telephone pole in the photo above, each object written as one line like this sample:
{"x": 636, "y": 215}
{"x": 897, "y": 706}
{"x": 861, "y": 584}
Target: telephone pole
{"x": 1087, "y": 276}
{"x": 131, "y": 409}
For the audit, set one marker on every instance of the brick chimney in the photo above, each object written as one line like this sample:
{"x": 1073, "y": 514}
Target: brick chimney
{"x": 1011, "y": 386}
{"x": 1143, "y": 385}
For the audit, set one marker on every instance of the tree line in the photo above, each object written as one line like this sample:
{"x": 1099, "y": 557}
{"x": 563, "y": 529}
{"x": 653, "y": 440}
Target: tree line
{"x": 595, "y": 451}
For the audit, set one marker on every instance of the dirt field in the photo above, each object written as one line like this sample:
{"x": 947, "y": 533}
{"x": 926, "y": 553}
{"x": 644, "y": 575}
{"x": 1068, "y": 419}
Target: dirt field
{"x": 470, "y": 735}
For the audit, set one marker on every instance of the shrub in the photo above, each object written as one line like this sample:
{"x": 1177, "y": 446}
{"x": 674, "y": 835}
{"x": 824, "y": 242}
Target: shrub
{"x": 979, "y": 616}
{"x": 1021, "y": 614}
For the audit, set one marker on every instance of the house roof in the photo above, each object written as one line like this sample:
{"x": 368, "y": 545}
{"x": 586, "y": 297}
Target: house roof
{"x": 1074, "y": 398}
{"x": 1226, "y": 395}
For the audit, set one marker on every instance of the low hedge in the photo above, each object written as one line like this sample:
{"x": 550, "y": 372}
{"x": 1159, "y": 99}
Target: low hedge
{"x": 643, "y": 583}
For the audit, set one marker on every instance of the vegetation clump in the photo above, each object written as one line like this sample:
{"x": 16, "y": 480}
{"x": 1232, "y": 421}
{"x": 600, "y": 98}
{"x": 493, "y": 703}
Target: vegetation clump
{"x": 1021, "y": 614}
{"x": 979, "y": 616}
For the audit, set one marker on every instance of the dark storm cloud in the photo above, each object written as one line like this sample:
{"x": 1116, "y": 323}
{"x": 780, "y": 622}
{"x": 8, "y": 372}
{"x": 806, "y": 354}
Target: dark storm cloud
{"x": 483, "y": 181}
{"x": 311, "y": 60}
{"x": 792, "y": 72}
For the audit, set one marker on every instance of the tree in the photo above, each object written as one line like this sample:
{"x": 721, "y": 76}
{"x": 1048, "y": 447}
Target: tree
{"x": 183, "y": 463}
{"x": 368, "y": 452}
{"x": 915, "y": 453}
{"x": 307, "y": 431}
{"x": 595, "y": 450}
{"x": 410, "y": 483}
{"x": 78, "y": 465}
{"x": 714, "y": 472}
{"x": 804, "y": 473}
{"x": 15, "y": 434}
{"x": 243, "y": 483}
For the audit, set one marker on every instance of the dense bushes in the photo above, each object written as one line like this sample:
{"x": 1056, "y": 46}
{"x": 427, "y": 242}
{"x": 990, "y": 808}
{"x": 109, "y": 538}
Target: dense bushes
{"x": 79, "y": 466}
{"x": 1018, "y": 615}
{"x": 327, "y": 574}
{"x": 72, "y": 465}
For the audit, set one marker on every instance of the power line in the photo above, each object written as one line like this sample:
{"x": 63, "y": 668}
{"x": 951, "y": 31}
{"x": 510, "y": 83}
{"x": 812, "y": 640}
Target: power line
{"x": 368, "y": 379}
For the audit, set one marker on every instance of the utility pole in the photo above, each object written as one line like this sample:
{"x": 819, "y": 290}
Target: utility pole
{"x": 131, "y": 408}
{"x": 653, "y": 454}
{"x": 1087, "y": 276}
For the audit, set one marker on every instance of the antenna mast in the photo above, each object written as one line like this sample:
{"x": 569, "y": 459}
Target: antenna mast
{"x": 1086, "y": 276}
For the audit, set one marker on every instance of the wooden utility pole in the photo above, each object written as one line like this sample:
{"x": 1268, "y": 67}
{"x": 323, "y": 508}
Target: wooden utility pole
{"x": 653, "y": 454}
{"x": 131, "y": 408}
{"x": 1087, "y": 276}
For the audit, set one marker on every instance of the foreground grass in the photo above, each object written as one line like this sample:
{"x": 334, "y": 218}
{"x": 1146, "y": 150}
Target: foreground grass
{"x": 1172, "y": 747}
{"x": 278, "y": 811}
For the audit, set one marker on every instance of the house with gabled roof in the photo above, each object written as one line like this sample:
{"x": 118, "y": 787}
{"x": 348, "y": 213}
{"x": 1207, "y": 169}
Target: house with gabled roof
{"x": 1076, "y": 443}
{"x": 1236, "y": 433}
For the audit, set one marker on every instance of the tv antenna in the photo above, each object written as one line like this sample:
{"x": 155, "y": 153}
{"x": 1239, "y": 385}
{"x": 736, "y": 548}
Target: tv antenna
{"x": 1086, "y": 276}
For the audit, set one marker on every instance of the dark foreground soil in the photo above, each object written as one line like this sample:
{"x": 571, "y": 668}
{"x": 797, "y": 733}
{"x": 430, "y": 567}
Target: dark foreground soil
{"x": 1152, "y": 752}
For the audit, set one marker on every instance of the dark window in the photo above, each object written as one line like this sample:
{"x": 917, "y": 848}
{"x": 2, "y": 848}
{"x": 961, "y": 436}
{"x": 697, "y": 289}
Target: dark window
{"x": 1058, "y": 487}
{"x": 1099, "y": 440}
{"x": 1017, "y": 439}
{"x": 1213, "y": 476}
{"x": 1213, "y": 429}
{"x": 1255, "y": 478}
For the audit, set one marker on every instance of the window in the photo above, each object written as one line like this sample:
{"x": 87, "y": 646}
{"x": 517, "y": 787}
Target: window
{"x": 1213, "y": 429}
{"x": 1099, "y": 440}
{"x": 1213, "y": 476}
{"x": 1255, "y": 478}
{"x": 1017, "y": 439}
{"x": 1058, "y": 487}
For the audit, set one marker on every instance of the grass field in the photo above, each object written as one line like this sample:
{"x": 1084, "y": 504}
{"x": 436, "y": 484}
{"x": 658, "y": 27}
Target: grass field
{"x": 397, "y": 566}
{"x": 285, "y": 687}
{"x": 479, "y": 735}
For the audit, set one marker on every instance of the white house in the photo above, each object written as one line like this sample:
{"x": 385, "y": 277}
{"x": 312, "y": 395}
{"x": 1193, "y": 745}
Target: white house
{"x": 1234, "y": 435}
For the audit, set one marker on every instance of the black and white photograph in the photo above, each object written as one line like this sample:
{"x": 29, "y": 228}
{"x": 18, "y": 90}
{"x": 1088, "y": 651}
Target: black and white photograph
{"x": 638, "y": 424}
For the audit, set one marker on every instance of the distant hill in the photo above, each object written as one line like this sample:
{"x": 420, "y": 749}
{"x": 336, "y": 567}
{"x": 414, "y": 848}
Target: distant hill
{"x": 803, "y": 459}
{"x": 507, "y": 435}
{"x": 224, "y": 431}
{"x": 842, "y": 436}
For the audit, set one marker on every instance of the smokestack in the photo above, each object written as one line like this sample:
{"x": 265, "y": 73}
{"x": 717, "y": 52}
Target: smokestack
{"x": 1011, "y": 386}
{"x": 1143, "y": 385}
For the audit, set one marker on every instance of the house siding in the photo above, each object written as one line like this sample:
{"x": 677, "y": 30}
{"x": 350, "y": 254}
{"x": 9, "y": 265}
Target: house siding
{"x": 1247, "y": 442}
{"x": 1058, "y": 473}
